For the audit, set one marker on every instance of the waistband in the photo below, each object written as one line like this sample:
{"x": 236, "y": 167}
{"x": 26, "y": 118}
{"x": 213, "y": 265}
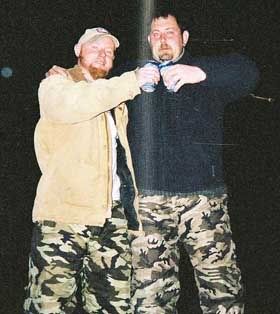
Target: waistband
{"x": 217, "y": 191}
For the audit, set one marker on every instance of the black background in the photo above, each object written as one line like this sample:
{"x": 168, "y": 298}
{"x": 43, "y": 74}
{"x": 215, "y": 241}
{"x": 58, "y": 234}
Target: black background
{"x": 37, "y": 34}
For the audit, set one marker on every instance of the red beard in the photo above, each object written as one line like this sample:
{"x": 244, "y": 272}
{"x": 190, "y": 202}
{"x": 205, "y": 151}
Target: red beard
{"x": 97, "y": 73}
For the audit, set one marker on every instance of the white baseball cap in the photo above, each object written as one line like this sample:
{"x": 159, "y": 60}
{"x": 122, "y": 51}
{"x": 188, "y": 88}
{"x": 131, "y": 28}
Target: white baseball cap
{"x": 93, "y": 34}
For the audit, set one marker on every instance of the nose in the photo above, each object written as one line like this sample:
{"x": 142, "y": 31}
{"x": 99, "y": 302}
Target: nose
{"x": 102, "y": 53}
{"x": 162, "y": 37}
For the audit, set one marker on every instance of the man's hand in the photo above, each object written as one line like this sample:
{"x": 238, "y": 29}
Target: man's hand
{"x": 57, "y": 70}
{"x": 177, "y": 75}
{"x": 147, "y": 75}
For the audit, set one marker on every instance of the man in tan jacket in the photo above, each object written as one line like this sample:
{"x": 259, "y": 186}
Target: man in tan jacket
{"x": 86, "y": 198}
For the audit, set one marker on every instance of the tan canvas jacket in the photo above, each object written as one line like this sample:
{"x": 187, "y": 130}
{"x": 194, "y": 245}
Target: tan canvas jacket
{"x": 73, "y": 146}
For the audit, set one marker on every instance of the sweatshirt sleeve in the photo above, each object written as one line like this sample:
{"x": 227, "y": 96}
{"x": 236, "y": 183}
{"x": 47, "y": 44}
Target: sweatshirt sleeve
{"x": 231, "y": 76}
{"x": 64, "y": 101}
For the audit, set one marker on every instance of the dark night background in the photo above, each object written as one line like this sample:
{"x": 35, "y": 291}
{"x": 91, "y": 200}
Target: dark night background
{"x": 37, "y": 34}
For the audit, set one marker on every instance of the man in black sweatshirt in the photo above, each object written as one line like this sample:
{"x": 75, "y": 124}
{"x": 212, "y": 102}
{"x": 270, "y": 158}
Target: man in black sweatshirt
{"x": 175, "y": 136}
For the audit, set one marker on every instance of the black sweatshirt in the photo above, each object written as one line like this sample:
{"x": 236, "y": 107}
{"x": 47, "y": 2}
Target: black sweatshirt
{"x": 175, "y": 138}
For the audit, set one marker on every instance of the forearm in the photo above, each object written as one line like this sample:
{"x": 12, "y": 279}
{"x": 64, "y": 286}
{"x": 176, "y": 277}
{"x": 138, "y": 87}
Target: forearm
{"x": 231, "y": 71}
{"x": 65, "y": 101}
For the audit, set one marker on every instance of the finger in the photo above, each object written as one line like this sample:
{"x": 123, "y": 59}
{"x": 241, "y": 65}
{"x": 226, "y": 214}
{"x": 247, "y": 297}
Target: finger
{"x": 166, "y": 78}
{"x": 156, "y": 74}
{"x": 178, "y": 85}
{"x": 153, "y": 75}
{"x": 173, "y": 80}
{"x": 50, "y": 72}
{"x": 170, "y": 74}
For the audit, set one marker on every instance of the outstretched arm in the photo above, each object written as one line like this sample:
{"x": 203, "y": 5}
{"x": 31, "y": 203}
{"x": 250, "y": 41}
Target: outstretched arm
{"x": 231, "y": 76}
{"x": 64, "y": 101}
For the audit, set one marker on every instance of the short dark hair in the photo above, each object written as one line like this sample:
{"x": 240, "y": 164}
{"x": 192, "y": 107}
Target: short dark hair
{"x": 164, "y": 12}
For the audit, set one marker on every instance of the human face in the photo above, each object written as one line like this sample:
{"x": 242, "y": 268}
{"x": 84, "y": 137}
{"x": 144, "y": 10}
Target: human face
{"x": 98, "y": 56}
{"x": 166, "y": 39}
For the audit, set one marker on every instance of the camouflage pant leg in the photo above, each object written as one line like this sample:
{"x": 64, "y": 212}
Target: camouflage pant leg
{"x": 61, "y": 254}
{"x": 155, "y": 284}
{"x": 106, "y": 278}
{"x": 203, "y": 226}
{"x": 54, "y": 265}
{"x": 206, "y": 234}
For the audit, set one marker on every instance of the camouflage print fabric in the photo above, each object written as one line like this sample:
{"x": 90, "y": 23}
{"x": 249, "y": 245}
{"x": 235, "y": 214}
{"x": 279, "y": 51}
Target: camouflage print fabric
{"x": 63, "y": 256}
{"x": 201, "y": 224}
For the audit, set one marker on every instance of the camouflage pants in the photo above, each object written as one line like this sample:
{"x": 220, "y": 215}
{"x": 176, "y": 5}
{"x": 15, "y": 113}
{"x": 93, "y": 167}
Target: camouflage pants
{"x": 201, "y": 224}
{"x": 98, "y": 258}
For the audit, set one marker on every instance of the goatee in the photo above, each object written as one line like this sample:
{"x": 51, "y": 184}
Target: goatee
{"x": 97, "y": 73}
{"x": 165, "y": 56}
{"x": 165, "y": 53}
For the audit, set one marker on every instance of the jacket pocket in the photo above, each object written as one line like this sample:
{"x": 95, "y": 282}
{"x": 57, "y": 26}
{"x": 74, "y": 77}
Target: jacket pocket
{"x": 82, "y": 185}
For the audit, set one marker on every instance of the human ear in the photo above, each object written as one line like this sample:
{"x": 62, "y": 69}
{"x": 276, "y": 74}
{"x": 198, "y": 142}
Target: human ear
{"x": 185, "y": 37}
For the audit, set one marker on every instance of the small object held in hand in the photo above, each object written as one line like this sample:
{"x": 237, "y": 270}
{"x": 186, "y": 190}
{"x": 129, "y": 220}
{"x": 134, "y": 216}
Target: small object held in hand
{"x": 151, "y": 86}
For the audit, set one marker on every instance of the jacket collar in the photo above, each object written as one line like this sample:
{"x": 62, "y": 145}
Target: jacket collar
{"x": 76, "y": 74}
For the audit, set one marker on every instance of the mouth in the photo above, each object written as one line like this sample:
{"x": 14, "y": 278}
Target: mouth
{"x": 164, "y": 48}
{"x": 101, "y": 64}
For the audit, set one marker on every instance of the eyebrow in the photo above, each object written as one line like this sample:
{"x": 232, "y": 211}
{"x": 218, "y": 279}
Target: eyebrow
{"x": 96, "y": 46}
{"x": 166, "y": 29}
